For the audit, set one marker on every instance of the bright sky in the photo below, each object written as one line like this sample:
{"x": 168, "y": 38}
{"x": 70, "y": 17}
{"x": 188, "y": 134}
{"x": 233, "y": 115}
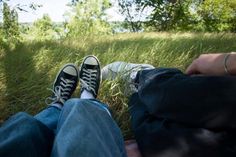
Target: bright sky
{"x": 56, "y": 9}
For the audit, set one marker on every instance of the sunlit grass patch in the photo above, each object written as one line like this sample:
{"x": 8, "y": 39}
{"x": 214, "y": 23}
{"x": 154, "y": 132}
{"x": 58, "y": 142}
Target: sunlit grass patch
{"x": 29, "y": 69}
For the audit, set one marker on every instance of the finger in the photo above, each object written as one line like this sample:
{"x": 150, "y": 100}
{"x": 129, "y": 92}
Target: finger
{"x": 192, "y": 68}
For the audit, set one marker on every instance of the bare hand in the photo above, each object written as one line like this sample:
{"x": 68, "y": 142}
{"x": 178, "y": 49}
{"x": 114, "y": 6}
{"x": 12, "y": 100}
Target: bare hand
{"x": 132, "y": 149}
{"x": 208, "y": 64}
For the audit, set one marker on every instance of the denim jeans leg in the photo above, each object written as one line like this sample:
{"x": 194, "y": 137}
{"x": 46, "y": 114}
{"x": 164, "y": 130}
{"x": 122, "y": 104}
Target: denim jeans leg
{"x": 24, "y": 136}
{"x": 49, "y": 117}
{"x": 86, "y": 129}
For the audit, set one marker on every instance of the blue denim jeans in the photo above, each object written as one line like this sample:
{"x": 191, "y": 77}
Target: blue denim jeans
{"x": 81, "y": 128}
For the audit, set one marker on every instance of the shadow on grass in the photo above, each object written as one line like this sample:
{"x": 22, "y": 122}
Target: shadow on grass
{"x": 22, "y": 82}
{"x": 27, "y": 77}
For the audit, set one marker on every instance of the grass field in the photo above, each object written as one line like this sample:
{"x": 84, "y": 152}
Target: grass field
{"x": 27, "y": 70}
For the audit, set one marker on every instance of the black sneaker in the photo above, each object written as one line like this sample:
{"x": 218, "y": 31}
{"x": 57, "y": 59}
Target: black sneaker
{"x": 64, "y": 84}
{"x": 90, "y": 75}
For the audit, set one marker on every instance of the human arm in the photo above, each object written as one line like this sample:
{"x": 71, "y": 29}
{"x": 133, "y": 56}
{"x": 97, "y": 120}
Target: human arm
{"x": 213, "y": 64}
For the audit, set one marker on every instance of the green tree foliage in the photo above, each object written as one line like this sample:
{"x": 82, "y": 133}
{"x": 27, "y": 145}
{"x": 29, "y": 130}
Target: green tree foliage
{"x": 233, "y": 20}
{"x": 218, "y": 15}
{"x": 10, "y": 24}
{"x": 200, "y": 15}
{"x": 1, "y": 38}
{"x": 171, "y": 14}
{"x": 88, "y": 17}
{"x": 43, "y": 29}
{"x": 165, "y": 14}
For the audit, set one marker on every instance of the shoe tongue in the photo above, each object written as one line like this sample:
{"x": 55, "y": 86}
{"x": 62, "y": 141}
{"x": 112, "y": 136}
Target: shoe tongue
{"x": 68, "y": 76}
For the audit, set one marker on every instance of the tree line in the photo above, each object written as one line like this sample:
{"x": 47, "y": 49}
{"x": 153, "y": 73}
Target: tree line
{"x": 182, "y": 15}
{"x": 88, "y": 17}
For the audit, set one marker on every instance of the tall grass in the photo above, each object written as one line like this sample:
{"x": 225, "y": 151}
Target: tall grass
{"x": 28, "y": 69}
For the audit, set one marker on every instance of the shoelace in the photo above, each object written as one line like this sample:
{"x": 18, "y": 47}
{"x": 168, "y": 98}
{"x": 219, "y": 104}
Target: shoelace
{"x": 88, "y": 80}
{"x": 61, "y": 93}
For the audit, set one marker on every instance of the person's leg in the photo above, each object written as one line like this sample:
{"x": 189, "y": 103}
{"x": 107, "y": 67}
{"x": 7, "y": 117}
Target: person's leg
{"x": 36, "y": 134}
{"x": 126, "y": 72}
{"x": 164, "y": 137}
{"x": 205, "y": 101}
{"x": 24, "y": 135}
{"x": 64, "y": 85}
{"x": 175, "y": 114}
{"x": 49, "y": 117}
{"x": 170, "y": 110}
{"x": 197, "y": 101}
{"x": 85, "y": 127}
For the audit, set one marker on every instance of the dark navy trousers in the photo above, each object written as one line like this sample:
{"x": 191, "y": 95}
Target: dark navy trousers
{"x": 176, "y": 115}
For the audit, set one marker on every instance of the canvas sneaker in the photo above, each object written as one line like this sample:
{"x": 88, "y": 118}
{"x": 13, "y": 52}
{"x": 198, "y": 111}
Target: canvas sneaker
{"x": 90, "y": 75}
{"x": 64, "y": 84}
